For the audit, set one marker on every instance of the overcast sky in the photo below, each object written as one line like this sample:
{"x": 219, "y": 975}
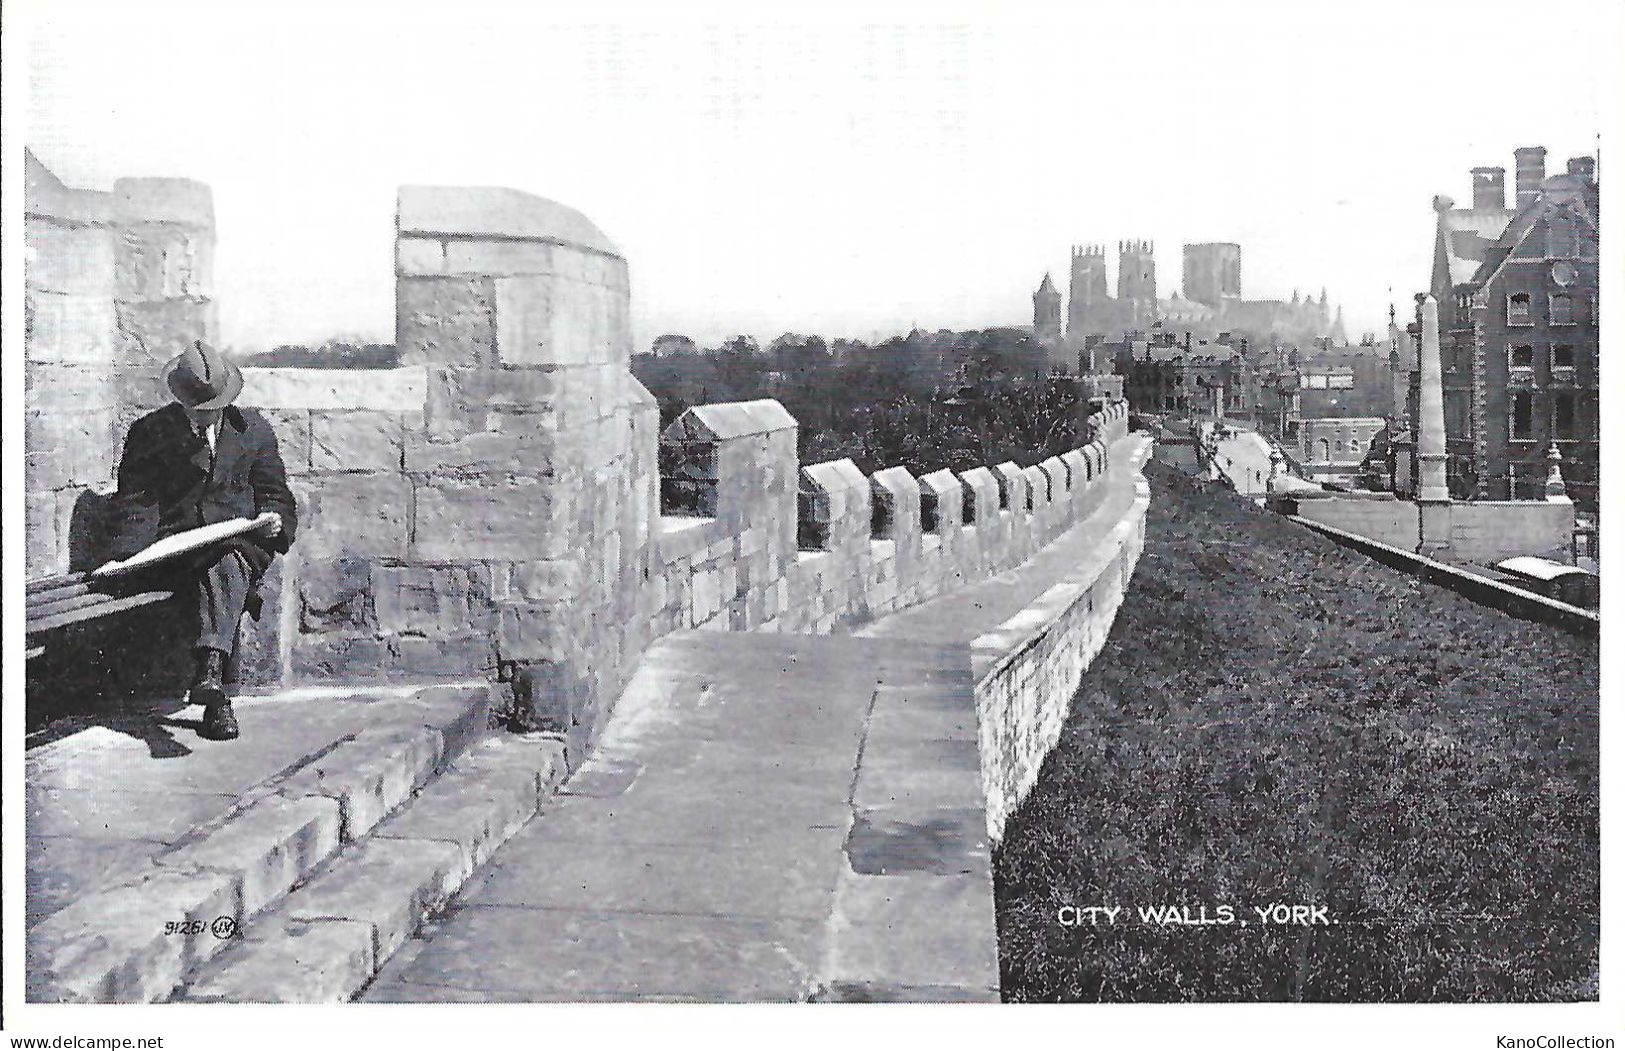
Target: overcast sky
{"x": 851, "y": 175}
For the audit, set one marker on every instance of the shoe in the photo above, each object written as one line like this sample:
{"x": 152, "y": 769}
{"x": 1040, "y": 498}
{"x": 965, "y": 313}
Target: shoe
{"x": 219, "y": 722}
{"x": 209, "y": 690}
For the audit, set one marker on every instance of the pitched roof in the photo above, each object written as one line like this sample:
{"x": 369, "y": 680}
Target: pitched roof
{"x": 1465, "y": 237}
{"x": 1047, "y": 285}
{"x": 1560, "y": 193}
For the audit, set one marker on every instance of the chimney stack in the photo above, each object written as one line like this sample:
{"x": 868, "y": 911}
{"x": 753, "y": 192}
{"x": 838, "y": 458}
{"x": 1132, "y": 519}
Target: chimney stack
{"x": 1583, "y": 168}
{"x": 1489, "y": 187}
{"x": 1531, "y": 173}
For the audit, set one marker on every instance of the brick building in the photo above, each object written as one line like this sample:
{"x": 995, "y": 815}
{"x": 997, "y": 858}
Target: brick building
{"x": 1161, "y": 374}
{"x": 1333, "y": 449}
{"x": 1517, "y": 294}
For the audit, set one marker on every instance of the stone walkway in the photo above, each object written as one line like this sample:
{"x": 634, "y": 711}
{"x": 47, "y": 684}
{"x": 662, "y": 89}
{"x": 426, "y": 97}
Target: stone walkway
{"x": 770, "y": 817}
{"x": 725, "y": 840}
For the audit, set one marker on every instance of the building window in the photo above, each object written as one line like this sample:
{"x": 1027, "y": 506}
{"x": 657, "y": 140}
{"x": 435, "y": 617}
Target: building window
{"x": 1563, "y": 416}
{"x": 1518, "y": 309}
{"x": 1521, "y": 416}
{"x": 1562, "y": 356}
{"x": 1563, "y": 312}
{"x": 1521, "y": 356}
{"x": 1323, "y": 450}
{"x": 1464, "y": 301}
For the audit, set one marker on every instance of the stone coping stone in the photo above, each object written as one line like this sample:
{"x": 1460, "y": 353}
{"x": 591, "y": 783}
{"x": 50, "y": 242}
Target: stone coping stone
{"x": 163, "y": 200}
{"x": 1035, "y": 478}
{"x": 942, "y": 483}
{"x": 498, "y": 212}
{"x": 1055, "y": 468}
{"x": 834, "y": 475}
{"x": 401, "y": 389}
{"x": 995, "y": 650}
{"x": 47, "y": 197}
{"x": 897, "y": 481}
{"x": 684, "y": 535}
{"x": 734, "y": 419}
{"x": 1014, "y": 483}
{"x": 981, "y": 482}
{"x": 1079, "y": 467}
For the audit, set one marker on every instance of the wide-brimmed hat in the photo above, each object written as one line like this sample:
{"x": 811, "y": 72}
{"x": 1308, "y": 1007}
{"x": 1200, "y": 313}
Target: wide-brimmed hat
{"x": 200, "y": 377}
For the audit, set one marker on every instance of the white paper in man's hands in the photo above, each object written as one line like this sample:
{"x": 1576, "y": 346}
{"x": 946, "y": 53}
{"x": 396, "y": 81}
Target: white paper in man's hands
{"x": 178, "y": 544}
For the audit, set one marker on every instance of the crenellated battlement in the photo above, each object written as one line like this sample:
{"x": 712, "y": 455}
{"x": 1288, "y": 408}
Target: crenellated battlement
{"x": 503, "y": 505}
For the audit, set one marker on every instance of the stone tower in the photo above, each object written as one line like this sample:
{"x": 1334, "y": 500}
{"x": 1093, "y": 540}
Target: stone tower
{"x": 1089, "y": 295}
{"x": 1212, "y": 272}
{"x": 1137, "y": 281}
{"x": 1047, "y": 312}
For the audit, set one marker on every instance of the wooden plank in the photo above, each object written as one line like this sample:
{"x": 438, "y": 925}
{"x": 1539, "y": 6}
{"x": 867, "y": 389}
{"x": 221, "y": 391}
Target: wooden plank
{"x": 58, "y": 594}
{"x": 50, "y": 603}
{"x": 113, "y": 605}
{"x": 48, "y": 583}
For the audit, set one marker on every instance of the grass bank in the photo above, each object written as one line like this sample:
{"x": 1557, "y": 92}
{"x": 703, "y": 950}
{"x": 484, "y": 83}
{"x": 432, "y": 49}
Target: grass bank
{"x": 1277, "y": 720}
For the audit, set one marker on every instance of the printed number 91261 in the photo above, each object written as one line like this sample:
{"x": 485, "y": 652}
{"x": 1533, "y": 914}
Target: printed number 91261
{"x": 186, "y": 926}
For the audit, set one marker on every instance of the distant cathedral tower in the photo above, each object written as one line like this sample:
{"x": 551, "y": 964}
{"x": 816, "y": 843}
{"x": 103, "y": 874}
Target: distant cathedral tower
{"x": 1137, "y": 281}
{"x": 1089, "y": 295}
{"x": 1213, "y": 272}
{"x": 1047, "y": 313}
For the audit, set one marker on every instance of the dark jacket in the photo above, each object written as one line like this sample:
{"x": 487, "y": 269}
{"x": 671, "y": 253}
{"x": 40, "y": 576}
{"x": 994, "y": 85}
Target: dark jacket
{"x": 166, "y": 463}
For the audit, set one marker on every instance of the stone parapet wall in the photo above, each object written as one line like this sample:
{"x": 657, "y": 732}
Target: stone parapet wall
{"x": 116, "y": 283}
{"x": 1472, "y": 530}
{"x": 503, "y": 504}
{"x": 1028, "y": 669}
{"x": 841, "y": 549}
{"x": 1490, "y": 530}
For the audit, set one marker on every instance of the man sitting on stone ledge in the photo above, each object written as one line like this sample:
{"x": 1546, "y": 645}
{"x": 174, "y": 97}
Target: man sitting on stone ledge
{"x": 202, "y": 460}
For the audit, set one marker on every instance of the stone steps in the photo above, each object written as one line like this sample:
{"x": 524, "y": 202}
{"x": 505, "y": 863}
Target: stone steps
{"x": 324, "y": 942}
{"x": 136, "y": 938}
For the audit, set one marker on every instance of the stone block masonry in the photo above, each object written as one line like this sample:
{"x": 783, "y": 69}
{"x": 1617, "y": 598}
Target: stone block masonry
{"x": 116, "y": 282}
{"x": 502, "y": 505}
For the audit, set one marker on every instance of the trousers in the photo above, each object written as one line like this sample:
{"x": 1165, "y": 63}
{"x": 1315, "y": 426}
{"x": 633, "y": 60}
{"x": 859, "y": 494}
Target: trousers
{"x": 222, "y": 591}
